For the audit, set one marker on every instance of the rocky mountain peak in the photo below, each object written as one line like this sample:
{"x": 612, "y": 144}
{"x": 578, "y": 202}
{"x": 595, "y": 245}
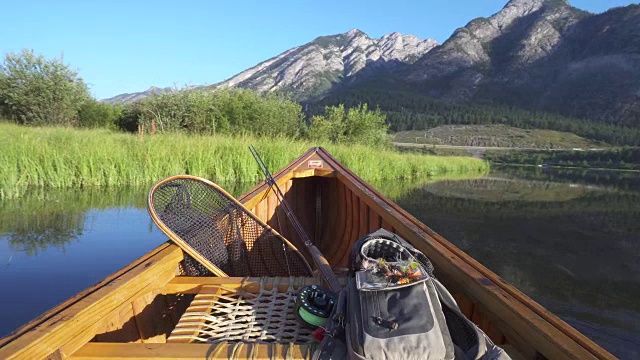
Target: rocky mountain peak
{"x": 313, "y": 68}
{"x": 543, "y": 2}
{"x": 521, "y": 32}
{"x": 540, "y": 54}
{"x": 355, "y": 32}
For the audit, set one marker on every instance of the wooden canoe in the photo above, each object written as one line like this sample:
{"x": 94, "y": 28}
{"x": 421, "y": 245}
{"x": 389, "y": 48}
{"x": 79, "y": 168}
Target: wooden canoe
{"x": 130, "y": 313}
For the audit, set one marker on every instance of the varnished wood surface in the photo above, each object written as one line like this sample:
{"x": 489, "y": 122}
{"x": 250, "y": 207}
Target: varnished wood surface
{"x": 172, "y": 351}
{"x": 199, "y": 285}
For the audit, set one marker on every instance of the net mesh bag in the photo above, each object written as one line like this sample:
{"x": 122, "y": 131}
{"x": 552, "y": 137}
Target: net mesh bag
{"x": 222, "y": 231}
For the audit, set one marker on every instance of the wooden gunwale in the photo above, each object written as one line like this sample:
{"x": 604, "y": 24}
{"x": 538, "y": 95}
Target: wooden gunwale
{"x": 81, "y": 295}
{"x": 79, "y": 319}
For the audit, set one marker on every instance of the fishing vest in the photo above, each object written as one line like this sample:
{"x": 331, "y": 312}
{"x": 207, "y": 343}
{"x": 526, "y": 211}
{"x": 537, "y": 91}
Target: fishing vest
{"x": 397, "y": 309}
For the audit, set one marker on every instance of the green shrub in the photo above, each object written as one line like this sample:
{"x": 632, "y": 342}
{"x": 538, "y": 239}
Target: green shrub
{"x": 94, "y": 114}
{"x": 220, "y": 112}
{"x": 355, "y": 125}
{"x": 38, "y": 91}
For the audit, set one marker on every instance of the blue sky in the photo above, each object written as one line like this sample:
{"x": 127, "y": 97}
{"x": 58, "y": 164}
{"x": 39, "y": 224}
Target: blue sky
{"x": 126, "y": 46}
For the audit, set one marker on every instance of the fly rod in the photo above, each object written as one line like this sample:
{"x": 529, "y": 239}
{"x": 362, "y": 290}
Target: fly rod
{"x": 321, "y": 262}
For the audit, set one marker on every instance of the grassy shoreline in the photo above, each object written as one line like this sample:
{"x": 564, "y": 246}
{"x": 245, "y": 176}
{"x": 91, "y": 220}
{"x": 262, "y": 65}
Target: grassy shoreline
{"x": 64, "y": 157}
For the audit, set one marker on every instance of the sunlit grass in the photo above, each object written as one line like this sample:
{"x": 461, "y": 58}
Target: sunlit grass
{"x": 64, "y": 157}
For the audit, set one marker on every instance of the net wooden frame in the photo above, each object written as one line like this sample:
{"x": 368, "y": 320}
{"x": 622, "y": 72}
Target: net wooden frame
{"x": 252, "y": 231}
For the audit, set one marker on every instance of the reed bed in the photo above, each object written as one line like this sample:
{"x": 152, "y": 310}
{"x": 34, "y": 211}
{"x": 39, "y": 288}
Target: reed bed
{"x": 64, "y": 157}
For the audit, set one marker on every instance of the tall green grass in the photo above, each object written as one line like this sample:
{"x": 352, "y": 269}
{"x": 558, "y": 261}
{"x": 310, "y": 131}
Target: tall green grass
{"x": 64, "y": 157}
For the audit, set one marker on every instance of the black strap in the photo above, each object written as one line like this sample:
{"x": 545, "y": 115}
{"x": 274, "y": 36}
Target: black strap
{"x": 333, "y": 345}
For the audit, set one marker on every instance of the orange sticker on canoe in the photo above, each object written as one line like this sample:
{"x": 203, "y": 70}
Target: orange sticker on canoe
{"x": 314, "y": 164}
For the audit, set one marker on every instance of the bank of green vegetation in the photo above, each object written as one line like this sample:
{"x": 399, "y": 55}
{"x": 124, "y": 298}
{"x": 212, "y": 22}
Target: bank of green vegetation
{"x": 56, "y": 135}
{"x": 36, "y": 91}
{"x": 66, "y": 157}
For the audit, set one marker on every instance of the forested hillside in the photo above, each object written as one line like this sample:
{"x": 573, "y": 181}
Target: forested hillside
{"x": 409, "y": 110}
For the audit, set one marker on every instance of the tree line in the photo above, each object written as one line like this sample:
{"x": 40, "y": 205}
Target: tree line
{"x": 38, "y": 91}
{"x": 621, "y": 158}
{"x": 408, "y": 110}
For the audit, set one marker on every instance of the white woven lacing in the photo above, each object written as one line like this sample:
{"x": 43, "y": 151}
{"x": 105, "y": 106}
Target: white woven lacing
{"x": 231, "y": 315}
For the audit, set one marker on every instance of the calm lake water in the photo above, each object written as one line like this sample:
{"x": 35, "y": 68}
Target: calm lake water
{"x": 569, "y": 239}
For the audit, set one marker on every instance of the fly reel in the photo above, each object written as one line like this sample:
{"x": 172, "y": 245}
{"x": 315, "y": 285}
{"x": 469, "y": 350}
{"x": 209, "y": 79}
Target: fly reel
{"x": 314, "y": 305}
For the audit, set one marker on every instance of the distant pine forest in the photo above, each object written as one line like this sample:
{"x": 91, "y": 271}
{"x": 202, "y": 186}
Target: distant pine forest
{"x": 408, "y": 110}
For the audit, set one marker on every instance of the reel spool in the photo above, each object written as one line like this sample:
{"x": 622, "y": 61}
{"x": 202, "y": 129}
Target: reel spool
{"x": 314, "y": 305}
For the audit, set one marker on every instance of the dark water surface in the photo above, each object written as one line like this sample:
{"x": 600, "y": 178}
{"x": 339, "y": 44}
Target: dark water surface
{"x": 568, "y": 239}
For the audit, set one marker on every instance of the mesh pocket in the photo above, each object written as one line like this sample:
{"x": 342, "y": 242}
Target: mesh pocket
{"x": 388, "y": 250}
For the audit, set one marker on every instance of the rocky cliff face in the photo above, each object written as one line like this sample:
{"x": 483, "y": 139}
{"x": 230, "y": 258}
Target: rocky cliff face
{"x": 311, "y": 69}
{"x": 523, "y": 32}
{"x": 308, "y": 71}
{"x": 540, "y": 54}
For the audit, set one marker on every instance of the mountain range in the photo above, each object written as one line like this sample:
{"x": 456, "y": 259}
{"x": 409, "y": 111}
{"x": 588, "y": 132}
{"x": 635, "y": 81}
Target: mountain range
{"x": 542, "y": 55}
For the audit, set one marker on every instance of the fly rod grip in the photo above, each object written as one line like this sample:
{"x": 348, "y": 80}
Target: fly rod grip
{"x": 324, "y": 268}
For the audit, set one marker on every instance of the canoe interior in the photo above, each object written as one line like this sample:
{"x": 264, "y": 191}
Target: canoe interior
{"x": 334, "y": 218}
{"x": 141, "y": 304}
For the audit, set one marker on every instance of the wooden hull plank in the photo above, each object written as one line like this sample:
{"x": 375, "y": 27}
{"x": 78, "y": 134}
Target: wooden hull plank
{"x": 173, "y": 351}
{"x": 200, "y": 285}
{"x": 99, "y": 327}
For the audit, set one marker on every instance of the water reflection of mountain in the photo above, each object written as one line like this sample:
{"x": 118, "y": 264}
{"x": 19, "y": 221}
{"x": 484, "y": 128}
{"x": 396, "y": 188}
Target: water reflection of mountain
{"x": 496, "y": 189}
{"x": 618, "y": 180}
{"x": 575, "y": 244}
{"x": 509, "y": 198}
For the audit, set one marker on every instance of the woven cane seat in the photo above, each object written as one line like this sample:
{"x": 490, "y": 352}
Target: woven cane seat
{"x": 256, "y": 314}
